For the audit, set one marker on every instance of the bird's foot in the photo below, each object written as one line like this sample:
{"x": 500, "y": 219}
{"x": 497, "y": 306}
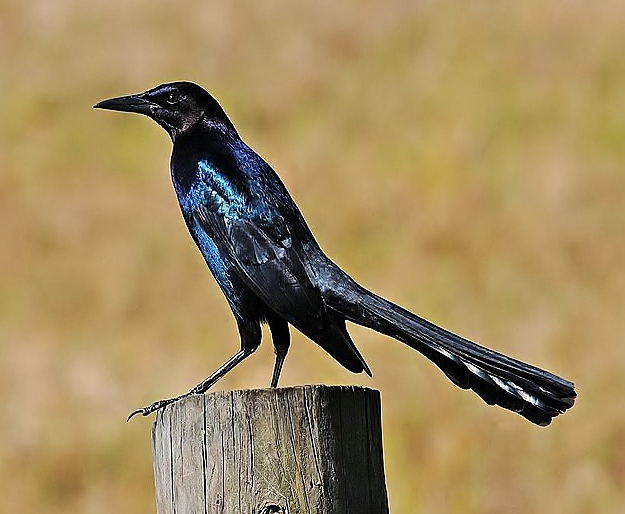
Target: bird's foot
{"x": 201, "y": 388}
{"x": 156, "y": 406}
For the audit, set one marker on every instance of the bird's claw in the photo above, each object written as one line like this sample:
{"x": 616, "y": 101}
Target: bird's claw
{"x": 145, "y": 411}
{"x": 135, "y": 412}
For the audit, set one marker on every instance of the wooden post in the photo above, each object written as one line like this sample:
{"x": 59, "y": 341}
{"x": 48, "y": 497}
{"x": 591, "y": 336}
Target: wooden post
{"x": 299, "y": 450}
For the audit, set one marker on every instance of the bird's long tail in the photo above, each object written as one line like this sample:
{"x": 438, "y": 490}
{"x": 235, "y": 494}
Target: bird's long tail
{"x": 534, "y": 393}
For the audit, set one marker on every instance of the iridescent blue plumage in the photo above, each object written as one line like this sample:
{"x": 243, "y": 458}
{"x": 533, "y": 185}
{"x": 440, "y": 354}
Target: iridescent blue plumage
{"x": 270, "y": 268}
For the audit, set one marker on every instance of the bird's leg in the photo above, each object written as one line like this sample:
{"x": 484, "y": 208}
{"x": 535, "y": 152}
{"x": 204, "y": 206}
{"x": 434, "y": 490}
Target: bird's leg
{"x": 250, "y": 340}
{"x": 277, "y": 367}
{"x": 281, "y": 342}
{"x": 202, "y": 387}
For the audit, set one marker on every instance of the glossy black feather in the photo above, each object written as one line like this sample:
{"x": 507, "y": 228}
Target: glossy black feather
{"x": 270, "y": 268}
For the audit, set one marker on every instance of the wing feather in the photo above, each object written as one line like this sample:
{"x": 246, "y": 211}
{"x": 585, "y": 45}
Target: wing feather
{"x": 269, "y": 265}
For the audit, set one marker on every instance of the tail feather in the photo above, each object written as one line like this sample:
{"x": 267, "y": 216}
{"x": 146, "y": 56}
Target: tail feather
{"x": 535, "y": 394}
{"x": 335, "y": 340}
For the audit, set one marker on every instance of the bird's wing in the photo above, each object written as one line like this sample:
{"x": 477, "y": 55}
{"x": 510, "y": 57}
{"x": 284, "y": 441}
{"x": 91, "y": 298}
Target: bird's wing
{"x": 261, "y": 250}
{"x": 265, "y": 257}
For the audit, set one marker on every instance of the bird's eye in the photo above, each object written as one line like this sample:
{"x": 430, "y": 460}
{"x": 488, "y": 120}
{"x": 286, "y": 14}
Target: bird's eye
{"x": 173, "y": 98}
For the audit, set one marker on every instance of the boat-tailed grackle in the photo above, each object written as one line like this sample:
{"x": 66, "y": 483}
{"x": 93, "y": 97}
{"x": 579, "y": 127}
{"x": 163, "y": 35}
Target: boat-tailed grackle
{"x": 271, "y": 270}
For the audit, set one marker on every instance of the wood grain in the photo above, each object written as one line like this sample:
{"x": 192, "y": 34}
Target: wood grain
{"x": 309, "y": 449}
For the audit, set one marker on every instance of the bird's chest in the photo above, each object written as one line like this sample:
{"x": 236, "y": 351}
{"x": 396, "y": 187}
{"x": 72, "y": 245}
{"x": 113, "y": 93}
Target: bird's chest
{"x": 220, "y": 266}
{"x": 210, "y": 186}
{"x": 207, "y": 192}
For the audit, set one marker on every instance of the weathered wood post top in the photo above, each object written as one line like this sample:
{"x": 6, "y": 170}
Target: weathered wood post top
{"x": 298, "y": 450}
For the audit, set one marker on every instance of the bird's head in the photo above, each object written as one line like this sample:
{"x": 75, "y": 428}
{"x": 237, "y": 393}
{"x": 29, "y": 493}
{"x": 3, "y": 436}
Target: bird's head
{"x": 176, "y": 107}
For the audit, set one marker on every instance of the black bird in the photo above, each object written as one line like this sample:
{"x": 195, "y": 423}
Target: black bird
{"x": 271, "y": 270}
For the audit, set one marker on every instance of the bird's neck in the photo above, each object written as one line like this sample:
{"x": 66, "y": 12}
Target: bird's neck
{"x": 203, "y": 144}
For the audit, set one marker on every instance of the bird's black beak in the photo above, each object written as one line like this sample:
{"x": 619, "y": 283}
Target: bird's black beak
{"x": 131, "y": 103}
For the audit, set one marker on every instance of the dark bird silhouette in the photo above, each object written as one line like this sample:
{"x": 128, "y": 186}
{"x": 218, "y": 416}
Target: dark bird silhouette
{"x": 271, "y": 270}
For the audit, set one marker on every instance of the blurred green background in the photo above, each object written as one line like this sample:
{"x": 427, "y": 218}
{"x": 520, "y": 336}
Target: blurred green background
{"x": 464, "y": 159}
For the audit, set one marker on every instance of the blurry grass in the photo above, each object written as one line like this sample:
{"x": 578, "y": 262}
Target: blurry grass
{"x": 472, "y": 155}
